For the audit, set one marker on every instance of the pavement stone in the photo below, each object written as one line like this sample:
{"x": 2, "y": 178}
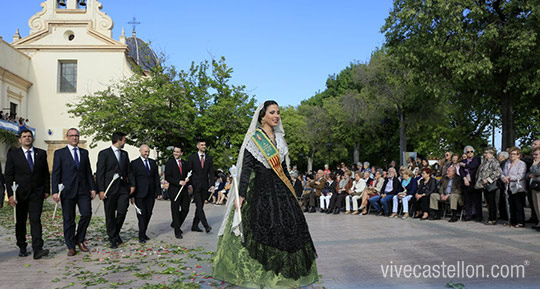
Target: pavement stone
{"x": 353, "y": 250}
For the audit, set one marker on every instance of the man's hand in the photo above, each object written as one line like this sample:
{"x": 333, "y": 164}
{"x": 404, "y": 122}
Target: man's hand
{"x": 102, "y": 196}
{"x": 182, "y": 183}
{"x": 46, "y": 195}
{"x": 12, "y": 202}
{"x": 132, "y": 201}
{"x": 93, "y": 194}
{"x": 131, "y": 190}
{"x": 55, "y": 197}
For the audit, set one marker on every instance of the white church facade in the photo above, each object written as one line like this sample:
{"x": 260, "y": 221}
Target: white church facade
{"x": 69, "y": 53}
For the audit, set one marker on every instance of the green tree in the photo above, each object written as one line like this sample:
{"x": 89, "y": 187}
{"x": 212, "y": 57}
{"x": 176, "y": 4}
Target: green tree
{"x": 170, "y": 107}
{"x": 482, "y": 52}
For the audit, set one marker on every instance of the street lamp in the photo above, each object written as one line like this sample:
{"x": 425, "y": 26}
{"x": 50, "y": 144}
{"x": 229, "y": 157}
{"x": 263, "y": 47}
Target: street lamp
{"x": 328, "y": 146}
{"x": 386, "y": 123}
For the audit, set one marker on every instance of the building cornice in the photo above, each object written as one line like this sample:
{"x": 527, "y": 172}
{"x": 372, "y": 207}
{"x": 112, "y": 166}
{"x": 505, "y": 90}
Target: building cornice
{"x": 14, "y": 79}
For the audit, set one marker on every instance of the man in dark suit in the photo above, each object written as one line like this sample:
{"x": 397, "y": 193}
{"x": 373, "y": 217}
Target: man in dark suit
{"x": 147, "y": 187}
{"x": 114, "y": 160}
{"x": 28, "y": 168}
{"x": 202, "y": 167}
{"x": 71, "y": 168}
{"x": 176, "y": 175}
{"x": 390, "y": 188}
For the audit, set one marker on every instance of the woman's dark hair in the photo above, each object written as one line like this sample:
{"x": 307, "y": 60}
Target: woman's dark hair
{"x": 265, "y": 106}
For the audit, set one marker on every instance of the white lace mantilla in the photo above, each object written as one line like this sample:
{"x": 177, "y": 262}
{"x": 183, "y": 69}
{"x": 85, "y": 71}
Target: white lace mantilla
{"x": 282, "y": 147}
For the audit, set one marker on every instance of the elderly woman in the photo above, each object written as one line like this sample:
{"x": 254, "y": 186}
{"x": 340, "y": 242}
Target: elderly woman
{"x": 427, "y": 185}
{"x": 373, "y": 190}
{"x": 409, "y": 186}
{"x": 486, "y": 179}
{"x": 355, "y": 194}
{"x": 473, "y": 197}
{"x": 534, "y": 178}
{"x": 513, "y": 176}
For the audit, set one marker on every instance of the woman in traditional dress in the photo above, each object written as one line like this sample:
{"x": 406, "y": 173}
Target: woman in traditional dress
{"x": 266, "y": 243}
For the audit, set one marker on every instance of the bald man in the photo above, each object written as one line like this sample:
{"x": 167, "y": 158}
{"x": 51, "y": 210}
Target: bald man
{"x": 147, "y": 187}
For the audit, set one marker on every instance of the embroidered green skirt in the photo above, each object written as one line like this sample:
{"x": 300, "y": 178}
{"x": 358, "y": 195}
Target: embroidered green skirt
{"x": 233, "y": 264}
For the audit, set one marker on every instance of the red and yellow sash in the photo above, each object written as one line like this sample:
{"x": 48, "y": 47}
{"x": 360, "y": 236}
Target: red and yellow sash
{"x": 271, "y": 154}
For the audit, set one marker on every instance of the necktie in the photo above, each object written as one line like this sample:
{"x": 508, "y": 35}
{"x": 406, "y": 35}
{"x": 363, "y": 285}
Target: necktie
{"x": 180, "y": 166}
{"x": 29, "y": 159}
{"x": 147, "y": 166}
{"x": 202, "y": 161}
{"x": 76, "y": 157}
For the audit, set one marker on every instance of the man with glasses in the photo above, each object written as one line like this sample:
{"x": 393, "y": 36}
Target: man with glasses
{"x": 71, "y": 168}
{"x": 473, "y": 197}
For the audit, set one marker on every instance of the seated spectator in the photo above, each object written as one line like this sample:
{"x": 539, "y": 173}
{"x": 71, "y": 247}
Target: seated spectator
{"x": 297, "y": 184}
{"x": 223, "y": 194}
{"x": 327, "y": 192}
{"x": 374, "y": 189}
{"x": 411, "y": 164}
{"x": 427, "y": 185}
{"x": 313, "y": 191}
{"x": 487, "y": 175}
{"x": 447, "y": 161}
{"x": 390, "y": 188}
{"x": 219, "y": 185}
{"x": 449, "y": 191}
{"x": 326, "y": 170}
{"x": 409, "y": 185}
{"x": 337, "y": 202}
{"x": 513, "y": 176}
{"x": 355, "y": 194}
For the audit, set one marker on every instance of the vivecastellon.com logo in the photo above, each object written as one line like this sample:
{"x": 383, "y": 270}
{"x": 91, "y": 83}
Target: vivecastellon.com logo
{"x": 458, "y": 270}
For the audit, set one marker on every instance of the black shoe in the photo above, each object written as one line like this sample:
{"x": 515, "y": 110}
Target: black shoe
{"x": 453, "y": 219}
{"x": 196, "y": 229}
{"x": 336, "y": 211}
{"x": 380, "y": 213}
{"x": 478, "y": 220}
{"x": 119, "y": 241}
{"x": 142, "y": 240}
{"x": 536, "y": 230}
{"x": 322, "y": 211}
{"x": 536, "y": 227}
{"x": 113, "y": 245}
{"x": 313, "y": 210}
{"x": 23, "y": 252}
{"x": 179, "y": 236}
{"x": 466, "y": 219}
{"x": 146, "y": 238}
{"x": 328, "y": 211}
{"x": 41, "y": 253}
{"x": 531, "y": 221}
{"x": 208, "y": 229}
{"x": 306, "y": 210}
{"x": 172, "y": 226}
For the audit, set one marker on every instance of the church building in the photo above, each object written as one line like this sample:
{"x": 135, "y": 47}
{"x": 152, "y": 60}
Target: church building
{"x": 69, "y": 53}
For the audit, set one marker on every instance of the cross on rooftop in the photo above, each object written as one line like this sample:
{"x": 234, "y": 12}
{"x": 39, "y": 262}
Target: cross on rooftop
{"x": 134, "y": 22}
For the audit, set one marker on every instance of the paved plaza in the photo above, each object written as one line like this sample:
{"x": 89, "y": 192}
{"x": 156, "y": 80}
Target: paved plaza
{"x": 354, "y": 252}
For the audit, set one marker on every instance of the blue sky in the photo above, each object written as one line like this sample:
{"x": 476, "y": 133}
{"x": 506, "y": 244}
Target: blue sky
{"x": 281, "y": 50}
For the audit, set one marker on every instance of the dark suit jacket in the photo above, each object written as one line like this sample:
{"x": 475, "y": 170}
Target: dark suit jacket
{"x": 145, "y": 183}
{"x": 75, "y": 180}
{"x": 2, "y": 187}
{"x": 108, "y": 165}
{"x": 202, "y": 178}
{"x": 18, "y": 170}
{"x": 396, "y": 186}
{"x": 173, "y": 176}
{"x": 298, "y": 189}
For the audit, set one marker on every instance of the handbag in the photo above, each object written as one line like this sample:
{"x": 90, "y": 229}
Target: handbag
{"x": 535, "y": 186}
{"x": 514, "y": 187}
{"x": 490, "y": 187}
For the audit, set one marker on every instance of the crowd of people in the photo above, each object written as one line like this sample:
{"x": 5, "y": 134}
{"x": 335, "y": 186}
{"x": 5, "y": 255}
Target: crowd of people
{"x": 459, "y": 185}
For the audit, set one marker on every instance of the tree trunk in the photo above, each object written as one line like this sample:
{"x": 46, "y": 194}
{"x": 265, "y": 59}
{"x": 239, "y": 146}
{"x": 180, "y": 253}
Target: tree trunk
{"x": 402, "y": 137}
{"x": 356, "y": 154}
{"x": 508, "y": 127}
{"x": 310, "y": 163}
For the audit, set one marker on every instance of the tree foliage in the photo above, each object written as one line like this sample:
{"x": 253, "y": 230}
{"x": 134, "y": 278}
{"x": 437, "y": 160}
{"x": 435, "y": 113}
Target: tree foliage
{"x": 172, "y": 107}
